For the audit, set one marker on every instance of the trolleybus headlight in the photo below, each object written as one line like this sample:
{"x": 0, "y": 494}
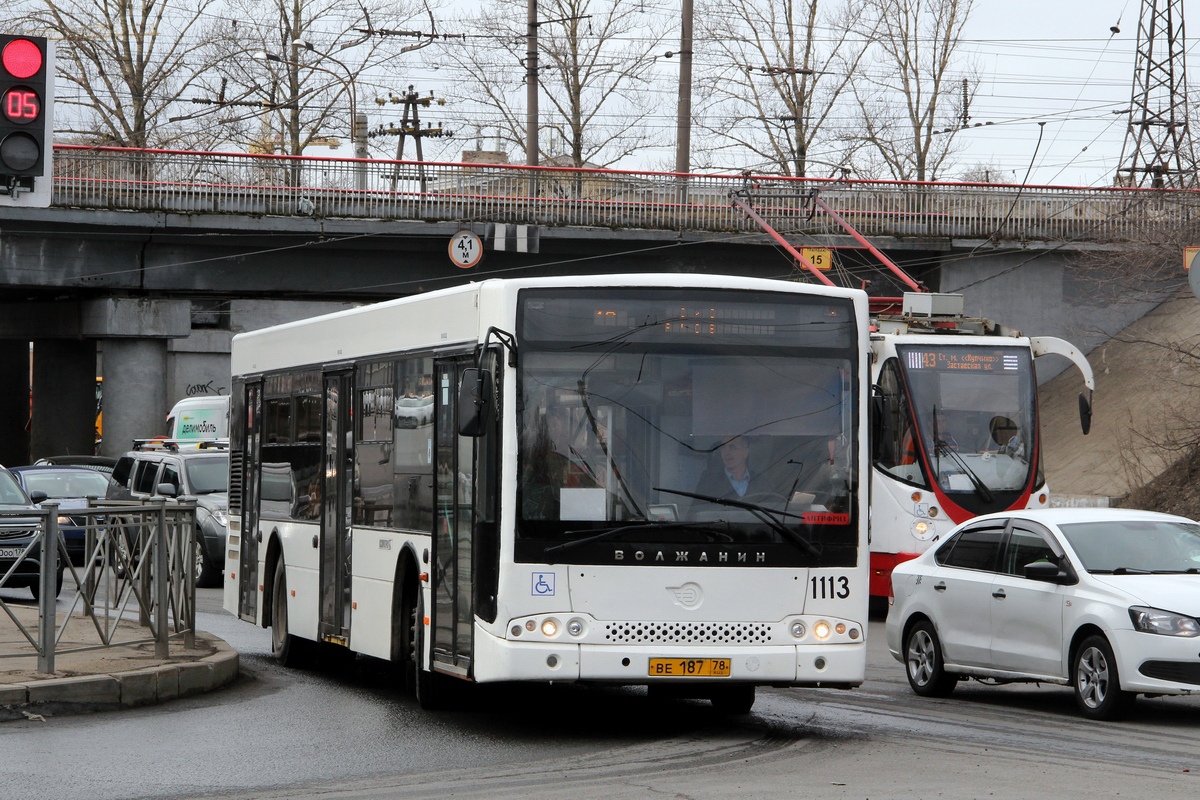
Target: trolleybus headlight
{"x": 549, "y": 627}
{"x": 516, "y": 630}
{"x": 575, "y": 627}
{"x": 530, "y": 625}
{"x": 922, "y": 529}
{"x": 798, "y": 629}
{"x": 840, "y": 628}
{"x": 821, "y": 630}
{"x": 854, "y": 633}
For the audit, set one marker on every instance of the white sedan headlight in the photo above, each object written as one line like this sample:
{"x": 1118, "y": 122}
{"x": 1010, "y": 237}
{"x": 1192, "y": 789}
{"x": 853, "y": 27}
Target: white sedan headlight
{"x": 220, "y": 516}
{"x": 1166, "y": 623}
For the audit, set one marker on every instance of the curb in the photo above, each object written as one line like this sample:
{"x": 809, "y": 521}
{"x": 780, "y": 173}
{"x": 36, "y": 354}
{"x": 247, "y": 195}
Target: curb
{"x": 117, "y": 690}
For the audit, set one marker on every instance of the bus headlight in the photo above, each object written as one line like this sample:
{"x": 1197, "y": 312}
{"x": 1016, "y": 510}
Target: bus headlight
{"x": 575, "y": 627}
{"x": 822, "y": 630}
{"x": 798, "y": 629}
{"x": 550, "y": 627}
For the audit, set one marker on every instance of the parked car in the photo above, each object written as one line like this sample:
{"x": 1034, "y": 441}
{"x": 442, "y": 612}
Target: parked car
{"x": 103, "y": 464}
{"x": 70, "y": 487}
{"x": 161, "y": 471}
{"x": 193, "y": 420}
{"x": 1104, "y": 600}
{"x": 16, "y": 533}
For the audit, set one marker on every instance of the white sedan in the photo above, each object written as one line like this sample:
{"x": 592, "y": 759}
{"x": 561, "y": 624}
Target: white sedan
{"x": 1105, "y": 600}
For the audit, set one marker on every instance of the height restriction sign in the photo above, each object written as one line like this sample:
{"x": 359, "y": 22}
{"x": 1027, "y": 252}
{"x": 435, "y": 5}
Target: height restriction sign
{"x": 466, "y": 249}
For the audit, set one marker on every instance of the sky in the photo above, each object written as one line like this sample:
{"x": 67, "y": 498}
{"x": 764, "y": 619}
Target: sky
{"x": 1038, "y": 61}
{"x": 1052, "y": 61}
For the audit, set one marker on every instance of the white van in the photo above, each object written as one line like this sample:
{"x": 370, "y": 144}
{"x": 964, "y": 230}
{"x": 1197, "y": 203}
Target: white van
{"x": 196, "y": 419}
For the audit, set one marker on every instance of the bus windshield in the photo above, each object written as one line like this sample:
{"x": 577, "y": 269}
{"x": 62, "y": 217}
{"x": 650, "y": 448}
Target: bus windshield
{"x": 651, "y": 418}
{"x": 975, "y": 409}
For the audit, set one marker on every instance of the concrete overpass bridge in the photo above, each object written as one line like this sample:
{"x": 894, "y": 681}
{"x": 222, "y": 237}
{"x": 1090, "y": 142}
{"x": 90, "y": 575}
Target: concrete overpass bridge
{"x": 153, "y": 259}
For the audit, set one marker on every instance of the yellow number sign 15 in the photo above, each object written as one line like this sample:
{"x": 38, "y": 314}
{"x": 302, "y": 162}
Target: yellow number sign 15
{"x": 819, "y": 257}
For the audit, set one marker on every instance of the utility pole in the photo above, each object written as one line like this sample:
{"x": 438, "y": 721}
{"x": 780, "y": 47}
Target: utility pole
{"x": 796, "y": 145}
{"x": 531, "y": 85}
{"x": 1158, "y": 148}
{"x": 410, "y": 126}
{"x": 683, "y": 126}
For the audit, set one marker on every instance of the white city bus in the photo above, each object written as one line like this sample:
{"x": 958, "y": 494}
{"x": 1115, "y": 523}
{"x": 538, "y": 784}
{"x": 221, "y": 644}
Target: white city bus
{"x": 956, "y": 429}
{"x": 523, "y": 480}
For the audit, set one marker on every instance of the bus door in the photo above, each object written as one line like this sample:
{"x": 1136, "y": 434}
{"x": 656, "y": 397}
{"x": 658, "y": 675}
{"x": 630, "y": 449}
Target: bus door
{"x": 452, "y": 615}
{"x": 337, "y": 460}
{"x": 243, "y": 469}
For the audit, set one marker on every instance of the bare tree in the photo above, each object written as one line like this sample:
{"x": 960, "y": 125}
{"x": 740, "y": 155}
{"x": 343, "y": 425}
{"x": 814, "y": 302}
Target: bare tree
{"x": 775, "y": 79}
{"x": 910, "y": 92}
{"x": 987, "y": 172}
{"x": 121, "y": 65}
{"x": 594, "y": 63}
{"x": 288, "y": 72}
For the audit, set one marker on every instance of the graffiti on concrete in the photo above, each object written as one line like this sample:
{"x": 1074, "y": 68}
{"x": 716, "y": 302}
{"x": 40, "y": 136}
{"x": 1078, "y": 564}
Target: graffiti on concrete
{"x": 197, "y": 389}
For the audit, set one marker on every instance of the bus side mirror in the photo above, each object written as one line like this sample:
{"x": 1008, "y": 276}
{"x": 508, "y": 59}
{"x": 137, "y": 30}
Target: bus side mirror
{"x": 1085, "y": 412}
{"x": 475, "y": 407}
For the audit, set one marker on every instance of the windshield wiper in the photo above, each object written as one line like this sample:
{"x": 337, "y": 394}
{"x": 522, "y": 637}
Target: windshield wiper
{"x": 1188, "y": 571}
{"x": 715, "y": 532}
{"x": 980, "y": 487}
{"x": 1121, "y": 571}
{"x": 767, "y": 515}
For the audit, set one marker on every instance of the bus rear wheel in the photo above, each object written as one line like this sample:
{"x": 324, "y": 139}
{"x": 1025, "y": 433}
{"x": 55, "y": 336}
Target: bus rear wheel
{"x": 288, "y": 650}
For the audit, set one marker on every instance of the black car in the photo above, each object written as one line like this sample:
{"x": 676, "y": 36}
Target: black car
{"x": 103, "y": 464}
{"x": 164, "y": 472}
{"x": 16, "y": 534}
{"x": 70, "y": 487}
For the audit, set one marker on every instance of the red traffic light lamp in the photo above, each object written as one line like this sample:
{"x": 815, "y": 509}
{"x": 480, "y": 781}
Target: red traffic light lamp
{"x": 26, "y": 120}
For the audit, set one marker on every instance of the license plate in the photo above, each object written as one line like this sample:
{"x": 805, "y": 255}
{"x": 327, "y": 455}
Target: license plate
{"x": 689, "y": 667}
{"x": 11, "y": 552}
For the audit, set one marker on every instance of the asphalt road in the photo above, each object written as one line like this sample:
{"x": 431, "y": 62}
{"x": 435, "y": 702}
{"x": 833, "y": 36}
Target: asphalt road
{"x": 284, "y": 734}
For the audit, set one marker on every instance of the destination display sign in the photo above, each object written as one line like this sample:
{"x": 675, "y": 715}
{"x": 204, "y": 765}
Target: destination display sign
{"x": 963, "y": 359}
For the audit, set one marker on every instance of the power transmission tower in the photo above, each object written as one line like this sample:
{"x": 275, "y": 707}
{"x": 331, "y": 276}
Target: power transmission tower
{"x": 1158, "y": 144}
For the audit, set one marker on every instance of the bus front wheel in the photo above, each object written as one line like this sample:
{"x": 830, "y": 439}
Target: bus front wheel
{"x": 430, "y": 686}
{"x": 734, "y": 700}
{"x": 404, "y": 635}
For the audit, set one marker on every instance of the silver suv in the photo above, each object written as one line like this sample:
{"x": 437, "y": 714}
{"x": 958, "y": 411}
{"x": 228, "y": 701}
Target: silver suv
{"x": 158, "y": 470}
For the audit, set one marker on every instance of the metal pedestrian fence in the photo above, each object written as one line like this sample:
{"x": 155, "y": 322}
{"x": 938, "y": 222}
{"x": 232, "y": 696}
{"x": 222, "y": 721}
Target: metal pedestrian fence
{"x": 133, "y": 581}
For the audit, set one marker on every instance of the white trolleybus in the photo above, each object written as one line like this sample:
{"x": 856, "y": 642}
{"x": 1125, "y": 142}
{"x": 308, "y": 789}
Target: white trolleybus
{"x": 955, "y": 424}
{"x": 641, "y": 480}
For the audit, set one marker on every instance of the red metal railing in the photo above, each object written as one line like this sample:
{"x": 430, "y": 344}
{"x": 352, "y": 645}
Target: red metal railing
{"x": 188, "y": 182}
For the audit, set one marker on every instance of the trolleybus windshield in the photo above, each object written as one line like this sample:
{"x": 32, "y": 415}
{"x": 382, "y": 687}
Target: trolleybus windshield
{"x": 686, "y": 427}
{"x": 975, "y": 409}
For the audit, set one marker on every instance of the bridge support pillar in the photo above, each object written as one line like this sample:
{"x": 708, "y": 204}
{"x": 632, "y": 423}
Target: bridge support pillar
{"x": 14, "y": 402}
{"x": 135, "y": 332}
{"x": 135, "y": 392}
{"x": 64, "y": 397}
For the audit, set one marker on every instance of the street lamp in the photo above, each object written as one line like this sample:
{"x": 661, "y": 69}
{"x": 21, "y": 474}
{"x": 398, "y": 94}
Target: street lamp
{"x": 358, "y": 127}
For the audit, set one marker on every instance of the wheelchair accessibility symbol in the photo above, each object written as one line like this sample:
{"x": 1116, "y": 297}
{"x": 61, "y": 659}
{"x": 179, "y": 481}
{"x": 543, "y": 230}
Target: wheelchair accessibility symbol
{"x": 543, "y": 584}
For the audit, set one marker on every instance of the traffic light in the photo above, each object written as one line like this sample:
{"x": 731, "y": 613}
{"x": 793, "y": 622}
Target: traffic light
{"x": 26, "y": 120}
